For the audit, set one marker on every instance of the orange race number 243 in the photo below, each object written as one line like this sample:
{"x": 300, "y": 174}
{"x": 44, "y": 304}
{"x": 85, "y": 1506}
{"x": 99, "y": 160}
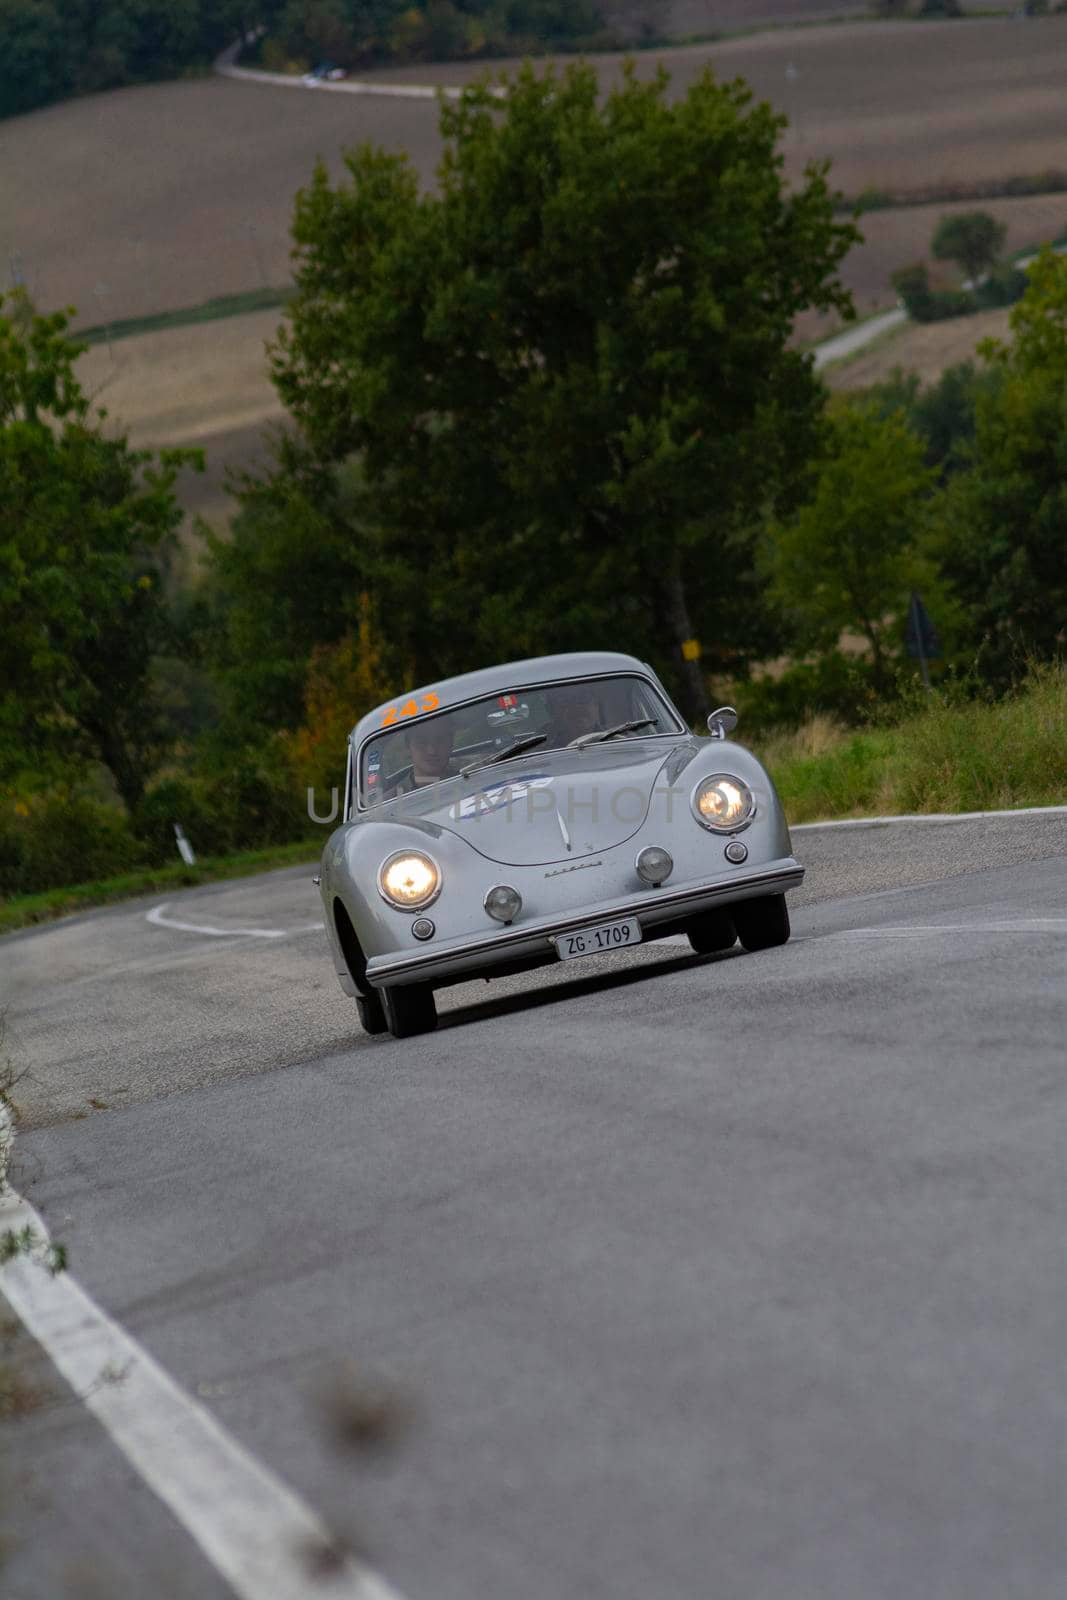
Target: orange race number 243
{"x": 410, "y": 708}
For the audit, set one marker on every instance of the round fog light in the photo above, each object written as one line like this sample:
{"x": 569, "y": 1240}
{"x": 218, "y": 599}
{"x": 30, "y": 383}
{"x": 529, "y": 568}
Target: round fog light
{"x": 736, "y": 852}
{"x": 423, "y": 928}
{"x": 503, "y": 902}
{"x": 654, "y": 865}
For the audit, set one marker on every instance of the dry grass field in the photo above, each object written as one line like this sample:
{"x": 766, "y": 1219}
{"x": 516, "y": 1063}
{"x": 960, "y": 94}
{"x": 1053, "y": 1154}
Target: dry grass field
{"x": 894, "y": 238}
{"x": 144, "y": 199}
{"x": 926, "y": 350}
{"x": 148, "y": 199}
{"x": 207, "y": 386}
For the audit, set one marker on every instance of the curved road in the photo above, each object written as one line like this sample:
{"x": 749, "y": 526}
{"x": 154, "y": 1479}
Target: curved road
{"x": 727, "y": 1277}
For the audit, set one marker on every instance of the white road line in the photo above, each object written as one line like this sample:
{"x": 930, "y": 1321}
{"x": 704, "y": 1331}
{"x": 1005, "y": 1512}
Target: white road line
{"x": 1029, "y": 925}
{"x": 256, "y": 1533}
{"x": 284, "y": 80}
{"x": 157, "y": 916}
{"x": 852, "y": 340}
{"x": 226, "y": 66}
{"x": 931, "y": 818}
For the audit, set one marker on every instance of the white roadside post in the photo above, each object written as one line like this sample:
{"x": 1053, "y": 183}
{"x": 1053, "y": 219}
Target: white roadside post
{"x": 185, "y": 849}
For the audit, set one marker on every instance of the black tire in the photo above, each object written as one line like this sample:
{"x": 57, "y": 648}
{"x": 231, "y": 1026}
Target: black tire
{"x": 371, "y": 1013}
{"x": 762, "y": 924}
{"x": 712, "y": 932}
{"x": 409, "y": 1009}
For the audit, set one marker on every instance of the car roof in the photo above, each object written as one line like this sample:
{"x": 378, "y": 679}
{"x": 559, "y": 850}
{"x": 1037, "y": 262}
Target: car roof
{"x": 509, "y": 675}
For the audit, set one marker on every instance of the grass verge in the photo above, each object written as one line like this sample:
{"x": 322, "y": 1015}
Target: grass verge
{"x": 23, "y": 911}
{"x": 226, "y": 305}
{"x": 971, "y": 756}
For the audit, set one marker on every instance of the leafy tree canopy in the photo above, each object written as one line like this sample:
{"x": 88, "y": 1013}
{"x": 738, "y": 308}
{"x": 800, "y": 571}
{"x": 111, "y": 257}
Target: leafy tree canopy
{"x": 973, "y": 239}
{"x": 942, "y": 413}
{"x": 50, "y": 49}
{"x": 283, "y": 584}
{"x": 850, "y": 556}
{"x": 354, "y": 32}
{"x": 567, "y": 374}
{"x": 83, "y": 521}
{"x": 1002, "y": 540}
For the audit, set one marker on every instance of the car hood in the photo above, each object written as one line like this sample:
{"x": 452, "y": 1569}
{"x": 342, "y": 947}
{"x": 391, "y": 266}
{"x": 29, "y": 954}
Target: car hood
{"x": 551, "y": 807}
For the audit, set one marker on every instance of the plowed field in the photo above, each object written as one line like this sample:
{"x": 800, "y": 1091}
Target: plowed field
{"x": 147, "y": 199}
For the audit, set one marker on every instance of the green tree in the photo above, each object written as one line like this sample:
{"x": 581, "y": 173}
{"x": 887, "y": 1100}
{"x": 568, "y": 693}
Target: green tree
{"x": 83, "y": 523}
{"x": 942, "y": 413}
{"x": 1002, "y": 536}
{"x": 284, "y": 583}
{"x": 568, "y": 374}
{"x": 850, "y": 556}
{"x": 973, "y": 239}
{"x": 32, "y": 66}
{"x": 49, "y": 50}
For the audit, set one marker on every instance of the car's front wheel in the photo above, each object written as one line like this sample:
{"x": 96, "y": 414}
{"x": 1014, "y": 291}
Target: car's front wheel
{"x": 711, "y": 932}
{"x": 762, "y": 924}
{"x": 371, "y": 1013}
{"x": 409, "y": 1010}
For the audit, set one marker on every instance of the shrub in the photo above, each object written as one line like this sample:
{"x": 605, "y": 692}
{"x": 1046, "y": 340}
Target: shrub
{"x": 62, "y": 837}
{"x": 1001, "y": 287}
{"x": 945, "y": 753}
{"x": 185, "y": 801}
{"x": 833, "y": 684}
{"x": 972, "y": 239}
{"x": 924, "y": 304}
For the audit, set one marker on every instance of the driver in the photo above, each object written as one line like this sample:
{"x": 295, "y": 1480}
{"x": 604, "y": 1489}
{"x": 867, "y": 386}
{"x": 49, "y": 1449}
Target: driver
{"x": 431, "y": 753}
{"x": 575, "y": 710}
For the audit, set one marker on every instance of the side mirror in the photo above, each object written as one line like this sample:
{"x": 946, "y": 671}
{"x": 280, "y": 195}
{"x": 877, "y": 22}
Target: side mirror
{"x": 722, "y": 722}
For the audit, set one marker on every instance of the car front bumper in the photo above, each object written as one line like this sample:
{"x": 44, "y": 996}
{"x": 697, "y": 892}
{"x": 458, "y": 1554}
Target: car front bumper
{"x": 532, "y": 941}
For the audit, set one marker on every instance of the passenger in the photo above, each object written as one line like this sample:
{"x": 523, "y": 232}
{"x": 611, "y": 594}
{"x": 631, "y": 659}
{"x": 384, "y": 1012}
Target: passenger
{"x": 575, "y": 710}
{"x": 431, "y": 754}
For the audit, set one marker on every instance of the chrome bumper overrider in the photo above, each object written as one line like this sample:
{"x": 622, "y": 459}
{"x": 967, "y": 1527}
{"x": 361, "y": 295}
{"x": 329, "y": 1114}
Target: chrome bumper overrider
{"x": 449, "y": 961}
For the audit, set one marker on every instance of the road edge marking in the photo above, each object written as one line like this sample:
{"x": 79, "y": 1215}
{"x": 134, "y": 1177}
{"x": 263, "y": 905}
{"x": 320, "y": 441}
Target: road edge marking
{"x": 158, "y": 918}
{"x": 930, "y": 818}
{"x": 253, "y": 1529}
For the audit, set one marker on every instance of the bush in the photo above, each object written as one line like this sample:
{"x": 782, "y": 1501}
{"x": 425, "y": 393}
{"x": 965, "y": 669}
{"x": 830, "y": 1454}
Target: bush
{"x": 924, "y": 304}
{"x": 833, "y": 684}
{"x": 946, "y": 753}
{"x": 62, "y": 837}
{"x": 1001, "y": 287}
{"x": 185, "y": 801}
{"x": 233, "y": 799}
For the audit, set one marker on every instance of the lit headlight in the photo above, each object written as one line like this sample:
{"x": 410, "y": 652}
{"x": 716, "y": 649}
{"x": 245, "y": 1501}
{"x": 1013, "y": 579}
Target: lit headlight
{"x": 723, "y": 803}
{"x": 408, "y": 880}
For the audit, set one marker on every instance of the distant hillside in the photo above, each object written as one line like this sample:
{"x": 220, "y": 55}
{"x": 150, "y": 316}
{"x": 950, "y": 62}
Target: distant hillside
{"x": 681, "y": 19}
{"x": 55, "y": 49}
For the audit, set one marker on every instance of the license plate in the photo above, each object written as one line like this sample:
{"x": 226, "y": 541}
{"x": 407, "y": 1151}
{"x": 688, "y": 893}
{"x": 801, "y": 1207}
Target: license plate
{"x": 596, "y": 941}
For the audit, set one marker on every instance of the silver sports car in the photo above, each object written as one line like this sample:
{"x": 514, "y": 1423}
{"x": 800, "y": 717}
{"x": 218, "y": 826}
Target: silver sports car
{"x": 538, "y": 812}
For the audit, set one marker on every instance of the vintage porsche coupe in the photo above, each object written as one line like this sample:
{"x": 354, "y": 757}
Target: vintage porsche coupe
{"x": 537, "y": 812}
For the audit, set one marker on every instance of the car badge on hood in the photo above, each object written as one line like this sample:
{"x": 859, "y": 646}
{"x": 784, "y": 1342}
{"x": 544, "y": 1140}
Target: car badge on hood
{"x": 579, "y": 866}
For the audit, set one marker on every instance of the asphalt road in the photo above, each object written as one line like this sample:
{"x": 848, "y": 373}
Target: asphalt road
{"x": 736, "y": 1277}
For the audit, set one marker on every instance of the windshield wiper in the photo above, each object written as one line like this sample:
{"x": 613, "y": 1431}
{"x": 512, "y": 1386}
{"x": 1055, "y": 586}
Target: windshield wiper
{"x": 526, "y": 743}
{"x": 610, "y": 733}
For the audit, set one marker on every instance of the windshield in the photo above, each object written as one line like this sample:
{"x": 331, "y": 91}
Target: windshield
{"x": 542, "y": 717}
